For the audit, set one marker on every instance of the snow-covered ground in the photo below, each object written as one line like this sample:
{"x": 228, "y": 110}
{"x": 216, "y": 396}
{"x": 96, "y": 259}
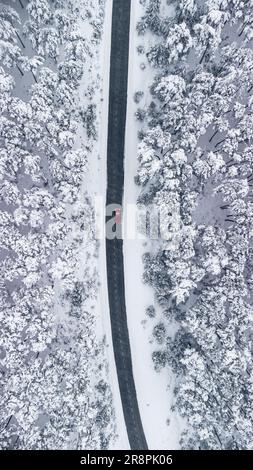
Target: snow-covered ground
{"x": 154, "y": 390}
{"x": 98, "y": 180}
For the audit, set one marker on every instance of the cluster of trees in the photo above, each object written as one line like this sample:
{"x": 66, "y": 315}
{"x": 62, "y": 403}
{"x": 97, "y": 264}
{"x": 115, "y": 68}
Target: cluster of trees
{"x": 54, "y": 392}
{"x": 195, "y": 164}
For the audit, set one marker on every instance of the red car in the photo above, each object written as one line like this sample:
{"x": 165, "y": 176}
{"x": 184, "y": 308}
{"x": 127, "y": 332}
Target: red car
{"x": 118, "y": 216}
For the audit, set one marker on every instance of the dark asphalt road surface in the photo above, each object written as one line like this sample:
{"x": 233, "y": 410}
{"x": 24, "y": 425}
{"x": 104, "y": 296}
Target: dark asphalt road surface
{"x": 114, "y": 248}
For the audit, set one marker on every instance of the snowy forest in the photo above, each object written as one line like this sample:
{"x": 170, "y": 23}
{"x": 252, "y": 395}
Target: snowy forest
{"x": 195, "y": 159}
{"x": 54, "y": 388}
{"x": 111, "y": 344}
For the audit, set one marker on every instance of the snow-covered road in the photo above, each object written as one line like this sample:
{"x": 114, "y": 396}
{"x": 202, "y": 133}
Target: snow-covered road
{"x": 114, "y": 251}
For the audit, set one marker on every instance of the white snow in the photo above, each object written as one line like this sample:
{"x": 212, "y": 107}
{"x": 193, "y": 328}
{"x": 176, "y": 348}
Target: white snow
{"x": 154, "y": 390}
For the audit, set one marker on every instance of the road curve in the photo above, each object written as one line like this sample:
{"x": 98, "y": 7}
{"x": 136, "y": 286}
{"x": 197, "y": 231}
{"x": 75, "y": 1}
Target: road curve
{"x": 114, "y": 248}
